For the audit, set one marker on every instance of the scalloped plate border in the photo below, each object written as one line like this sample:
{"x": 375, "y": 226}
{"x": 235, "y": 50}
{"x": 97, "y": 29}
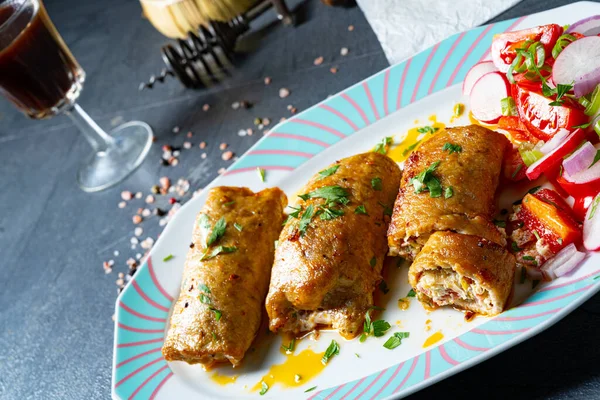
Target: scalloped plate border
{"x": 143, "y": 307}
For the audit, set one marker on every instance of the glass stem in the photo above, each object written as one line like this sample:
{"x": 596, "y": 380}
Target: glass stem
{"x": 96, "y": 137}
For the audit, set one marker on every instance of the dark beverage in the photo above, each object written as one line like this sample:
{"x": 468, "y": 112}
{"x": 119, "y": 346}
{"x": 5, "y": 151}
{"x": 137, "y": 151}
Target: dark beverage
{"x": 38, "y": 73}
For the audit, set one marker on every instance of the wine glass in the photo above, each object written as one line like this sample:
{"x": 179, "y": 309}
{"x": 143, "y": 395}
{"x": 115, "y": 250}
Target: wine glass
{"x": 40, "y": 76}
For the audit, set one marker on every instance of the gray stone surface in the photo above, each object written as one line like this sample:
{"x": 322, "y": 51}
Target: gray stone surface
{"x": 56, "y": 303}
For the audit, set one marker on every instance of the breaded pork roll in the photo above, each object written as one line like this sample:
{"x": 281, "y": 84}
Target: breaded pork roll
{"x": 463, "y": 271}
{"x": 449, "y": 183}
{"x": 226, "y": 276}
{"x": 331, "y": 250}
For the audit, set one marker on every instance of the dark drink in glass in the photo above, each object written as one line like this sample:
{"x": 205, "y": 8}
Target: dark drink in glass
{"x": 40, "y": 76}
{"x": 38, "y": 73}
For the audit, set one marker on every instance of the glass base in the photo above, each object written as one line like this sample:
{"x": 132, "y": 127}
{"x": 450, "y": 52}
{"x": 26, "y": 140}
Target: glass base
{"x": 130, "y": 145}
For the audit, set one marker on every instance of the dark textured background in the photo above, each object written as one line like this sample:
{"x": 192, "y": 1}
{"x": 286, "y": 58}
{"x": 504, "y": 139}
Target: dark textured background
{"x": 56, "y": 303}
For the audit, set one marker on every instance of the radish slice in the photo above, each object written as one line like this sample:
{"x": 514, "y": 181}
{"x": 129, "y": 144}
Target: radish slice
{"x": 555, "y": 156}
{"x": 556, "y": 140}
{"x": 584, "y": 176}
{"x": 579, "y": 62}
{"x": 562, "y": 263}
{"x": 581, "y": 159}
{"x": 591, "y": 226}
{"x": 588, "y": 26}
{"x": 486, "y": 95}
{"x": 475, "y": 73}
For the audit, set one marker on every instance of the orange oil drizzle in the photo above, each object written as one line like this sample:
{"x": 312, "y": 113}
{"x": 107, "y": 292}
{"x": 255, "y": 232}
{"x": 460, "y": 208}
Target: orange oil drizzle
{"x": 433, "y": 339}
{"x": 414, "y": 139}
{"x": 306, "y": 364}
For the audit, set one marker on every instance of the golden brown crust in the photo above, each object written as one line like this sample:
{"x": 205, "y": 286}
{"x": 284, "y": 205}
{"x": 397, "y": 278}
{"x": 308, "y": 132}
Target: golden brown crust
{"x": 485, "y": 263}
{"x": 325, "y": 276}
{"x": 238, "y": 281}
{"x": 473, "y": 174}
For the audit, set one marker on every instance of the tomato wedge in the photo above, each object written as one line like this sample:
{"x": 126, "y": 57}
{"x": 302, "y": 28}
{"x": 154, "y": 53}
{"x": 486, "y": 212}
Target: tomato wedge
{"x": 579, "y": 189}
{"x": 547, "y": 214}
{"x": 517, "y": 129}
{"x": 541, "y": 119}
{"x": 504, "y": 44}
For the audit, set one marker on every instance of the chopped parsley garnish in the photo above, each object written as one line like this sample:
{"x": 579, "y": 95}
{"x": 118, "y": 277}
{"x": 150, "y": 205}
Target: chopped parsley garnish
{"x": 373, "y": 261}
{"x": 261, "y": 173}
{"x": 294, "y": 214}
{"x": 360, "y": 210}
{"x": 594, "y": 207}
{"x": 428, "y": 129}
{"x": 205, "y": 299}
{"x": 500, "y": 223}
{"x": 167, "y": 258}
{"x": 383, "y": 287}
{"x": 305, "y": 219}
{"x": 327, "y": 213}
{"x": 528, "y": 258}
{"x": 411, "y": 148}
{"x": 376, "y": 183}
{"x": 218, "y": 313}
{"x": 332, "y": 350}
{"x": 358, "y": 356}
{"x": 395, "y": 340}
{"x": 534, "y": 189}
{"x": 561, "y": 90}
{"x": 229, "y": 203}
{"x": 204, "y": 222}
{"x": 328, "y": 172}
{"x": 264, "y": 388}
{"x": 310, "y": 389}
{"x": 426, "y": 181}
{"x": 386, "y": 210}
{"x": 452, "y": 148}
{"x": 290, "y": 347}
{"x": 238, "y": 226}
{"x": 448, "y": 192}
{"x": 411, "y": 293}
{"x": 374, "y": 328}
{"x": 216, "y": 251}
{"x": 217, "y": 232}
{"x": 331, "y": 194}
{"x": 515, "y": 248}
{"x": 382, "y": 146}
{"x": 204, "y": 288}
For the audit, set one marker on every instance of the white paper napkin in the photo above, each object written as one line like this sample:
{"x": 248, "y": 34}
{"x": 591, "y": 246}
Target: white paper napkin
{"x": 405, "y": 27}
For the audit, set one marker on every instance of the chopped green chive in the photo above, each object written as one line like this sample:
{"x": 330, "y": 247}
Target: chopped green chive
{"x": 238, "y": 226}
{"x": 376, "y": 184}
{"x": 229, "y": 203}
{"x": 459, "y": 109}
{"x": 534, "y": 189}
{"x": 536, "y": 234}
{"x": 386, "y": 210}
{"x": 428, "y": 129}
{"x": 332, "y": 350}
{"x": 214, "y": 336}
{"x": 515, "y": 248}
{"x": 508, "y": 107}
{"x": 356, "y": 354}
{"x": 410, "y": 148}
{"x": 204, "y": 288}
{"x": 327, "y": 213}
{"x": 290, "y": 347}
{"x": 264, "y": 388}
{"x": 594, "y": 207}
{"x": 395, "y": 340}
{"x": 500, "y": 223}
{"x": 516, "y": 171}
{"x": 382, "y": 146}
{"x": 205, "y": 299}
{"x": 383, "y": 287}
{"x": 261, "y": 173}
{"x": 310, "y": 389}
{"x": 167, "y": 258}
{"x": 328, "y": 171}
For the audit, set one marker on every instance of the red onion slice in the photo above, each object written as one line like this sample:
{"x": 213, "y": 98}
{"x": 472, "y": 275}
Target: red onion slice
{"x": 589, "y": 26}
{"x": 563, "y": 262}
{"x": 579, "y": 62}
{"x": 584, "y": 176}
{"x": 591, "y": 225}
{"x": 581, "y": 159}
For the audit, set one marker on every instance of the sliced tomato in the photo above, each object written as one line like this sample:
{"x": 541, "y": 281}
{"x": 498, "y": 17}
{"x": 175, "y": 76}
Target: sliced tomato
{"x": 513, "y": 167}
{"x": 540, "y": 118}
{"x": 505, "y": 44}
{"x": 547, "y": 214}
